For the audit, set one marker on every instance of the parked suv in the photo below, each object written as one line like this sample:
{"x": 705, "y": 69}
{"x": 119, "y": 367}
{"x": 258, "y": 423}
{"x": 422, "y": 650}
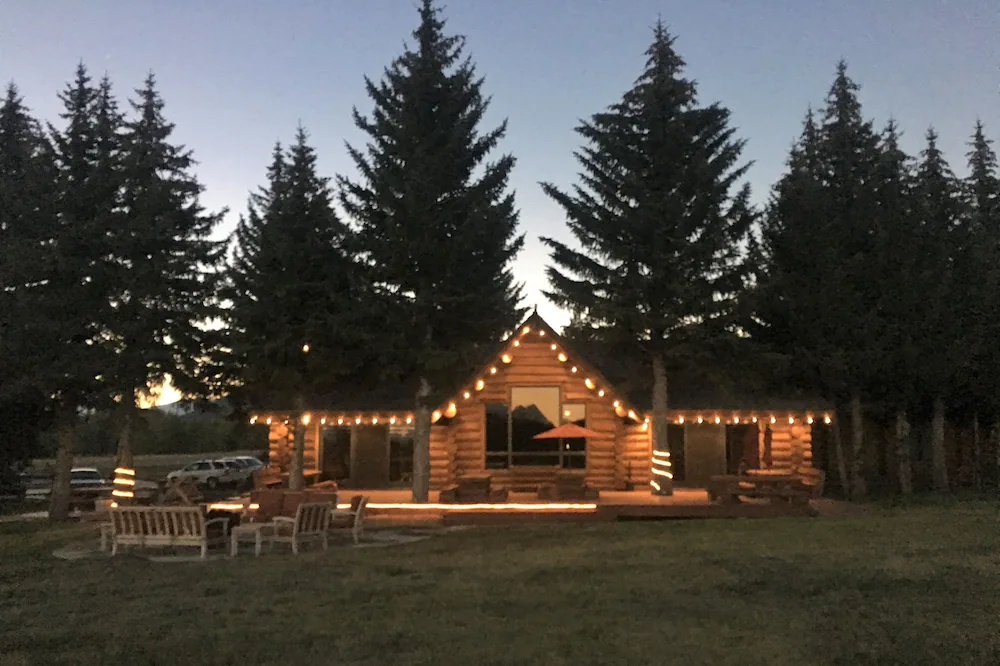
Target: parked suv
{"x": 211, "y": 473}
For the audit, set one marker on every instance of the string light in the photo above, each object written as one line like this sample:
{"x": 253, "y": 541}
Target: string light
{"x": 451, "y": 411}
{"x": 493, "y": 370}
{"x": 340, "y": 421}
{"x": 506, "y": 358}
{"x": 305, "y": 348}
{"x": 573, "y": 369}
{"x": 554, "y": 347}
{"x": 809, "y": 420}
{"x": 517, "y": 343}
{"x": 435, "y": 416}
{"x": 305, "y": 419}
{"x": 466, "y": 395}
{"x": 253, "y": 419}
{"x": 827, "y": 420}
{"x": 357, "y": 420}
{"x": 717, "y": 420}
{"x": 322, "y": 421}
{"x": 589, "y": 383}
{"x": 562, "y": 357}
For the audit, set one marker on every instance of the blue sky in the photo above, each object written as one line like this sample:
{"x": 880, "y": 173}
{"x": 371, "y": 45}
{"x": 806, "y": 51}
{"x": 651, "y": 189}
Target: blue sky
{"x": 239, "y": 74}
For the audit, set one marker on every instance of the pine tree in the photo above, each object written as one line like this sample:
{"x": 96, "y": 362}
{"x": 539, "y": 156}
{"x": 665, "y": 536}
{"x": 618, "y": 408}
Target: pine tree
{"x": 978, "y": 274}
{"x": 819, "y": 302}
{"x": 938, "y": 210}
{"x": 434, "y": 217}
{"x": 897, "y": 250}
{"x": 295, "y": 283}
{"x": 167, "y": 268}
{"x": 658, "y": 224}
{"x": 27, "y": 221}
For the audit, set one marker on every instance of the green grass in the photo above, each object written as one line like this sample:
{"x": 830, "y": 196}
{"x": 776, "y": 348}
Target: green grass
{"x": 918, "y": 585}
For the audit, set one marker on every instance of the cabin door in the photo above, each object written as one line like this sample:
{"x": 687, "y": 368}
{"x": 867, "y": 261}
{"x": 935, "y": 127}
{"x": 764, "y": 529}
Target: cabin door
{"x": 370, "y": 457}
{"x": 704, "y": 453}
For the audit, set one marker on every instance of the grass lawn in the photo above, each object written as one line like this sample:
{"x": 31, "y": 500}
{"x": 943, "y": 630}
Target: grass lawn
{"x": 896, "y": 586}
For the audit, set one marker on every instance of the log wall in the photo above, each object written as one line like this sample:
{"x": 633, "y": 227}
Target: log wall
{"x": 791, "y": 444}
{"x": 459, "y": 447}
{"x": 280, "y": 441}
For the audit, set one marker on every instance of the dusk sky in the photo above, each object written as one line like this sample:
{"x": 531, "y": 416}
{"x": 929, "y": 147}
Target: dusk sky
{"x": 239, "y": 75}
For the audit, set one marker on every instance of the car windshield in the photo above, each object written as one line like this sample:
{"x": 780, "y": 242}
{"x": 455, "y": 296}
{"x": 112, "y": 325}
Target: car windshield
{"x": 86, "y": 475}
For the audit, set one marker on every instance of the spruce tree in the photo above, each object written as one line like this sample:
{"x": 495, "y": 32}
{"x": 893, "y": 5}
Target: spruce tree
{"x": 820, "y": 304}
{"x": 658, "y": 222}
{"x": 167, "y": 268}
{"x": 938, "y": 209}
{"x": 27, "y": 223}
{"x": 434, "y": 216}
{"x": 295, "y": 283}
{"x": 895, "y": 266}
{"x": 978, "y": 275}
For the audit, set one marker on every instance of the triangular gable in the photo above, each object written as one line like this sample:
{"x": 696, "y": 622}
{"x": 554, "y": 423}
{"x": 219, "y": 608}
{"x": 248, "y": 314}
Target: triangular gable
{"x": 535, "y": 326}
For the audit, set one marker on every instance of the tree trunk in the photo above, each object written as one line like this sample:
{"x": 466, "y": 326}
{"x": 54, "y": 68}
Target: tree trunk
{"x": 995, "y": 442}
{"x": 125, "y": 456}
{"x": 659, "y": 431}
{"x": 939, "y": 460}
{"x": 59, "y": 500}
{"x": 422, "y": 444}
{"x": 296, "y": 479}
{"x": 858, "y": 486}
{"x": 838, "y": 450}
{"x": 903, "y": 452}
{"x": 977, "y": 455}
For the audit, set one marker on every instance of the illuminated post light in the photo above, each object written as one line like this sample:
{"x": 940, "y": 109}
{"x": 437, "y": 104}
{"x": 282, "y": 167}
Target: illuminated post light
{"x": 662, "y": 477}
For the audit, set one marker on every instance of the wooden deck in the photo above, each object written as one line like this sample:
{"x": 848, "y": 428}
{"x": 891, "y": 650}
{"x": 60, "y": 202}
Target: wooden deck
{"x": 392, "y": 506}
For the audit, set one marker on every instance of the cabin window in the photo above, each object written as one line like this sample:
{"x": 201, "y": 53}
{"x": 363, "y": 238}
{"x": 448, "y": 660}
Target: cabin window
{"x": 511, "y": 430}
{"x": 400, "y": 453}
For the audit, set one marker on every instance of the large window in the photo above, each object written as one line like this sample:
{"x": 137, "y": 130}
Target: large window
{"x": 512, "y": 430}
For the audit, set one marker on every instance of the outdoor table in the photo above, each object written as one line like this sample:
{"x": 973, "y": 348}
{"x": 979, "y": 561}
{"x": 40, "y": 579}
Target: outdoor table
{"x": 244, "y": 531}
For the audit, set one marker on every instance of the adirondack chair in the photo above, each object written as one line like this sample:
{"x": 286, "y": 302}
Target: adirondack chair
{"x": 311, "y": 523}
{"x": 352, "y": 519}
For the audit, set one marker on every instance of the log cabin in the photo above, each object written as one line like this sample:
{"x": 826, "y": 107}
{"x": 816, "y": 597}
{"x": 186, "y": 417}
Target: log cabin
{"x": 534, "y": 383}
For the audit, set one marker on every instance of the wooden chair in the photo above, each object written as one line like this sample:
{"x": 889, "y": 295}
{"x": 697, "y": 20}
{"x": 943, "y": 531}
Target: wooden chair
{"x": 311, "y": 523}
{"x": 353, "y": 519}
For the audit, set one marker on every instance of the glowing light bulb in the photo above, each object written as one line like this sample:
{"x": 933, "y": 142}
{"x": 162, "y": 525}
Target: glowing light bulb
{"x": 305, "y": 349}
{"x": 774, "y": 420}
{"x": 541, "y": 333}
{"x": 322, "y": 421}
{"x": 374, "y": 420}
{"x": 809, "y": 420}
{"x": 562, "y": 357}
{"x": 305, "y": 419}
{"x": 718, "y": 420}
{"x": 506, "y": 358}
{"x": 268, "y": 420}
{"x": 517, "y": 343}
{"x": 680, "y": 419}
{"x": 466, "y": 395}
{"x": 736, "y": 419}
{"x": 573, "y": 369}
{"x": 588, "y": 383}
{"x": 791, "y": 419}
{"x": 392, "y": 420}
{"x": 409, "y": 419}
{"x": 554, "y": 347}
{"x": 525, "y": 330}
{"x": 700, "y": 420}
{"x": 480, "y": 384}
{"x": 436, "y": 416}
{"x": 451, "y": 411}
{"x": 340, "y": 421}
{"x": 493, "y": 371}
{"x": 357, "y": 421}
{"x": 601, "y": 393}
{"x": 827, "y": 420}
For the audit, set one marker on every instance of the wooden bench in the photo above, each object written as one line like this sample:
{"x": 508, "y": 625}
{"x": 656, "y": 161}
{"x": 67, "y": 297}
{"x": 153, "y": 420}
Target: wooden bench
{"x": 473, "y": 489}
{"x": 568, "y": 487}
{"x": 794, "y": 486}
{"x": 147, "y": 526}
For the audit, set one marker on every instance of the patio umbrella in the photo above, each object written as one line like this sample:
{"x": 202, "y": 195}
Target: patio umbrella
{"x": 567, "y": 431}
